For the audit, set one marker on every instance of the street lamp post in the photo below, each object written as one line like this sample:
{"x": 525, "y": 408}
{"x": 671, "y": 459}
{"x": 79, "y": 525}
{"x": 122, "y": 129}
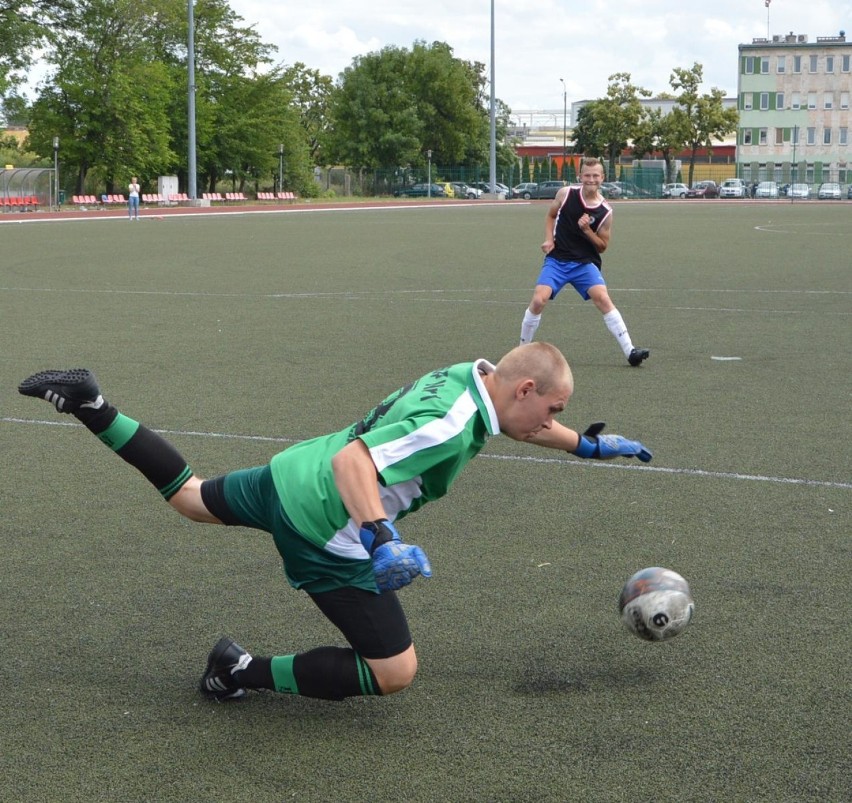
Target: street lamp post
{"x": 564, "y": 126}
{"x": 281, "y": 167}
{"x": 429, "y": 175}
{"x": 56, "y": 172}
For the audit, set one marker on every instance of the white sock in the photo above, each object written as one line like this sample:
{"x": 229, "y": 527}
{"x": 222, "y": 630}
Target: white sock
{"x": 529, "y": 326}
{"x": 615, "y": 323}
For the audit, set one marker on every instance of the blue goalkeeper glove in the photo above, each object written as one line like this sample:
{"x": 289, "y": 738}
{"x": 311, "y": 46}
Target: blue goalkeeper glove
{"x": 604, "y": 447}
{"x": 395, "y": 564}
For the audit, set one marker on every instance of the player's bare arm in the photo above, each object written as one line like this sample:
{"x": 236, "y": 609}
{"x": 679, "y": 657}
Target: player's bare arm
{"x": 599, "y": 238}
{"x": 355, "y": 477}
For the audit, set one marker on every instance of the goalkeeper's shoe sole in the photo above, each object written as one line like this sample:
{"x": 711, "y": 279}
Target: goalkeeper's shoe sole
{"x": 638, "y": 356}
{"x": 67, "y": 390}
{"x": 218, "y": 682}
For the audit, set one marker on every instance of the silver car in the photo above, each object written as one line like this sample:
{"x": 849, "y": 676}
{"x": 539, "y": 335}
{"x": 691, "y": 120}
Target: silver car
{"x": 829, "y": 190}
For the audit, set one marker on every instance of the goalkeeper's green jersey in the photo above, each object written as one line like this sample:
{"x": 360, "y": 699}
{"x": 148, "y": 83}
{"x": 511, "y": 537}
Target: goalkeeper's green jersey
{"x": 419, "y": 438}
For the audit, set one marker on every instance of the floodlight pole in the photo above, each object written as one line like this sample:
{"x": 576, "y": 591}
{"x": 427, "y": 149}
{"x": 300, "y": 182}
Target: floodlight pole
{"x": 56, "y": 172}
{"x": 192, "y": 179}
{"x": 492, "y": 158}
{"x": 429, "y": 175}
{"x": 564, "y": 126}
{"x": 281, "y": 167}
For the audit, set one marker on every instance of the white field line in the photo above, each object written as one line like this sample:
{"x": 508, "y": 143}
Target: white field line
{"x": 691, "y": 472}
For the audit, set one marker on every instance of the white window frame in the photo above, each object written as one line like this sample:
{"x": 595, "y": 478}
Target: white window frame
{"x": 746, "y": 136}
{"x": 747, "y": 101}
{"x": 797, "y": 64}
{"x": 795, "y": 101}
{"x": 779, "y": 136}
{"x": 811, "y": 100}
{"x": 843, "y": 138}
{"x": 829, "y": 64}
{"x": 781, "y": 65}
{"x": 779, "y": 100}
{"x": 763, "y": 136}
{"x": 811, "y": 136}
{"x": 764, "y": 101}
{"x": 845, "y": 62}
{"x": 764, "y": 65}
{"x": 749, "y": 65}
{"x": 813, "y": 63}
{"x": 844, "y": 100}
{"x": 828, "y": 100}
{"x": 826, "y": 136}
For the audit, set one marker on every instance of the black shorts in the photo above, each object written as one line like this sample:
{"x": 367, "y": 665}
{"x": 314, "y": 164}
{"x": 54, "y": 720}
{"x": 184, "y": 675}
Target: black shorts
{"x": 373, "y": 624}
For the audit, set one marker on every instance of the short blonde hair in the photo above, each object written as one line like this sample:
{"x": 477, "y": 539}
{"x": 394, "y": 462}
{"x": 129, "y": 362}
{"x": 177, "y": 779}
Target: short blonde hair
{"x": 592, "y": 161}
{"x": 541, "y": 362}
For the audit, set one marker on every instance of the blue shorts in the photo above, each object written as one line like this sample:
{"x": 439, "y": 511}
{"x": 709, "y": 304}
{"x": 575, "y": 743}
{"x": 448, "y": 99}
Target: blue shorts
{"x": 555, "y": 274}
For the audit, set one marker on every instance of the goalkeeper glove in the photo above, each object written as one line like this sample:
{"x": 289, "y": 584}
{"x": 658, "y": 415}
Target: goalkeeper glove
{"x": 604, "y": 447}
{"x": 395, "y": 564}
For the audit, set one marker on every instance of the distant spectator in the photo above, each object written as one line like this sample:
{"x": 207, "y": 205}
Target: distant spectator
{"x": 133, "y": 199}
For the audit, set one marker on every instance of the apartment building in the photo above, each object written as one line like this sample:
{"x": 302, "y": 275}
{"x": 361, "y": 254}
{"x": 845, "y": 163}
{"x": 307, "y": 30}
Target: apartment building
{"x": 793, "y": 98}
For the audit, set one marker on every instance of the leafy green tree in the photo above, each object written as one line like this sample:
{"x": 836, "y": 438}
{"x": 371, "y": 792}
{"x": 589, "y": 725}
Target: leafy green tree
{"x": 617, "y": 116}
{"x": 588, "y": 137}
{"x": 394, "y": 105}
{"x": 705, "y": 117}
{"x": 661, "y": 133}
{"x": 311, "y": 97}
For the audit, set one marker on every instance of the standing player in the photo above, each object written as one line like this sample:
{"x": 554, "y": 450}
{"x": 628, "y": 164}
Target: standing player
{"x": 577, "y": 229}
{"x": 331, "y": 503}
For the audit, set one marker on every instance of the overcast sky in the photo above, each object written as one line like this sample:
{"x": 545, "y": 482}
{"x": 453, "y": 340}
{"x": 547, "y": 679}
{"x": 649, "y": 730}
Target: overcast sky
{"x": 537, "y": 42}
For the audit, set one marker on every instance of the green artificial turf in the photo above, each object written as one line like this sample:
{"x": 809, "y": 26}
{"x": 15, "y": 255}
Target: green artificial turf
{"x": 239, "y": 334}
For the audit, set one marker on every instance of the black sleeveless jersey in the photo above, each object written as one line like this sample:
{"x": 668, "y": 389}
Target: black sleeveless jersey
{"x": 570, "y": 244}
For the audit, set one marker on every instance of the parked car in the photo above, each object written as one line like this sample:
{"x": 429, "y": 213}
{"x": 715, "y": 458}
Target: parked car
{"x": 544, "y": 189}
{"x": 462, "y": 190}
{"x": 766, "y": 189}
{"x": 799, "y": 191}
{"x": 733, "y": 188}
{"x": 829, "y": 190}
{"x": 703, "y": 189}
{"x": 485, "y": 186}
{"x": 675, "y": 190}
{"x": 609, "y": 189}
{"x": 849, "y": 192}
{"x": 518, "y": 191}
{"x": 420, "y": 191}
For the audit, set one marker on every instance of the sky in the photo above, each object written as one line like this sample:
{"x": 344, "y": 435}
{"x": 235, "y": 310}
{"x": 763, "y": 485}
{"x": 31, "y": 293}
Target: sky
{"x": 537, "y": 42}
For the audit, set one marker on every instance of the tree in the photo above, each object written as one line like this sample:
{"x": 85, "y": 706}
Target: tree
{"x": 393, "y": 105}
{"x": 311, "y": 97}
{"x": 665, "y": 134}
{"x": 617, "y": 116}
{"x": 705, "y": 117}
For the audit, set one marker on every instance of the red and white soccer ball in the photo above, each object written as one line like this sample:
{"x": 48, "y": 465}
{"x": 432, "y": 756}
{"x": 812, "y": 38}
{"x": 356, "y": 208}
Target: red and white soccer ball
{"x": 656, "y": 604}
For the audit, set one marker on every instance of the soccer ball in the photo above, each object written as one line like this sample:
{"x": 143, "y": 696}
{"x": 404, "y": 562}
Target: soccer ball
{"x": 656, "y": 604}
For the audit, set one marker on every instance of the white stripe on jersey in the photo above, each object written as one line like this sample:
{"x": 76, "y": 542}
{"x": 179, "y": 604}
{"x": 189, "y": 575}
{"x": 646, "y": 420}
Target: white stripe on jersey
{"x": 430, "y": 434}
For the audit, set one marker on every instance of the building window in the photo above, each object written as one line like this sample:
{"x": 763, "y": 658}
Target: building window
{"x": 812, "y": 63}
{"x": 764, "y": 66}
{"x": 811, "y": 100}
{"x": 779, "y": 100}
{"x": 844, "y": 136}
{"x": 764, "y": 101}
{"x": 845, "y": 63}
{"x": 795, "y": 100}
{"x": 782, "y": 65}
{"x": 747, "y": 101}
{"x": 829, "y": 63}
{"x": 746, "y": 136}
{"x": 797, "y": 63}
{"x": 795, "y": 135}
{"x": 779, "y": 136}
{"x": 762, "y": 136}
{"x": 811, "y": 140}
{"x": 749, "y": 65}
{"x": 828, "y": 100}
{"x": 826, "y": 136}
{"x": 844, "y": 100}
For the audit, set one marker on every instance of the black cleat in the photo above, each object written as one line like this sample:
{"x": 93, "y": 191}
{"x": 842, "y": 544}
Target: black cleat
{"x": 218, "y": 681}
{"x": 637, "y": 356}
{"x": 67, "y": 391}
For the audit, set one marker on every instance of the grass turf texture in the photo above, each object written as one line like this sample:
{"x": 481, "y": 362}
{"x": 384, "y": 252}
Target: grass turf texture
{"x": 241, "y": 334}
